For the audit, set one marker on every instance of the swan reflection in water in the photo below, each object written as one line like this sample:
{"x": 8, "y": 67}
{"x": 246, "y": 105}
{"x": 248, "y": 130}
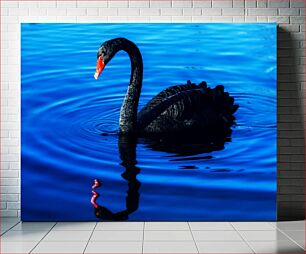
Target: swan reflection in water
{"x": 188, "y": 145}
{"x": 127, "y": 151}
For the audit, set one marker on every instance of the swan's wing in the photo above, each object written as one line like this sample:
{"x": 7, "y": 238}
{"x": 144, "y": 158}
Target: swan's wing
{"x": 176, "y": 100}
{"x": 189, "y": 102}
{"x": 166, "y": 94}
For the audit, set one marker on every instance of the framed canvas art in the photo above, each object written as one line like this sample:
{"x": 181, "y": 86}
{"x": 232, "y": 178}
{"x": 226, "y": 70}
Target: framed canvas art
{"x": 154, "y": 122}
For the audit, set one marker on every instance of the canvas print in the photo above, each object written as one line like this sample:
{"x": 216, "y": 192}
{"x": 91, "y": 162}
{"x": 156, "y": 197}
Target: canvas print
{"x": 154, "y": 122}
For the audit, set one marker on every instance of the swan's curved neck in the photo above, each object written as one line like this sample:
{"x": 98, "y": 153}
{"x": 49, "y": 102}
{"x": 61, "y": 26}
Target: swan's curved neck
{"x": 128, "y": 112}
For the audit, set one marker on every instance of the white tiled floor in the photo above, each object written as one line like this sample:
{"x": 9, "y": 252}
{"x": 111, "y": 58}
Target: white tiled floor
{"x": 152, "y": 237}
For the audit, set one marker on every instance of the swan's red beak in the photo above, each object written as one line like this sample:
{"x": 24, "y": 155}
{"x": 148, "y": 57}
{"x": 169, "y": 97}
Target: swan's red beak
{"x": 100, "y": 67}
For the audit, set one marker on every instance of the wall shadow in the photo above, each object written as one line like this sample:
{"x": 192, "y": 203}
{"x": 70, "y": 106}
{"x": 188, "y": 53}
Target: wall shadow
{"x": 290, "y": 131}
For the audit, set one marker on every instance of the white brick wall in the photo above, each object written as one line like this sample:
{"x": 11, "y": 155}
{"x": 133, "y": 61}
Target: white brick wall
{"x": 290, "y": 14}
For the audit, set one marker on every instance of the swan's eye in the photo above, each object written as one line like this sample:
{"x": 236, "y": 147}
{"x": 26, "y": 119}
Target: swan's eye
{"x": 102, "y": 52}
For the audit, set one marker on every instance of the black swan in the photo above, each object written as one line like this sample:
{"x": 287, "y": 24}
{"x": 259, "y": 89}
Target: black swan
{"x": 187, "y": 108}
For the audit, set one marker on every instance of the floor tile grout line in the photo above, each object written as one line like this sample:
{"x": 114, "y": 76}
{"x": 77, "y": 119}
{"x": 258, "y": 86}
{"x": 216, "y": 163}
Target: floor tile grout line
{"x": 193, "y": 237}
{"x": 290, "y": 238}
{"x": 42, "y": 238}
{"x": 168, "y": 240}
{"x": 10, "y": 228}
{"x": 90, "y": 237}
{"x": 143, "y": 232}
{"x": 244, "y": 240}
{"x": 273, "y": 225}
{"x": 291, "y": 230}
{"x": 155, "y": 230}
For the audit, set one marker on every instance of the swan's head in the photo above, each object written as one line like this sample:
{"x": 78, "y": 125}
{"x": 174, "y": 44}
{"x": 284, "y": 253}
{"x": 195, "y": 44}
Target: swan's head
{"x": 104, "y": 55}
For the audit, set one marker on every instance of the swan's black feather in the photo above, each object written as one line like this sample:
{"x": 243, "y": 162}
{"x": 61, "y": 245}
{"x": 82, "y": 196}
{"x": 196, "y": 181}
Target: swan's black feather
{"x": 187, "y": 107}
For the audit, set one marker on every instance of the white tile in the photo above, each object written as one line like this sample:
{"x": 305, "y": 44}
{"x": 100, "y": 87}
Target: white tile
{"x": 252, "y": 226}
{"x": 60, "y": 247}
{"x": 32, "y": 226}
{"x": 297, "y": 235}
{"x": 169, "y": 247}
{"x": 22, "y": 236}
{"x": 9, "y": 220}
{"x": 7, "y": 225}
{"x": 273, "y": 223}
{"x": 276, "y": 247}
{"x": 17, "y": 247}
{"x": 301, "y": 243}
{"x": 223, "y": 247}
{"x": 167, "y": 235}
{"x": 2, "y": 230}
{"x": 114, "y": 247}
{"x": 74, "y": 226}
{"x": 166, "y": 226}
{"x": 291, "y": 225}
{"x": 101, "y": 236}
{"x": 273, "y": 235}
{"x": 216, "y": 236}
{"x": 211, "y": 226}
{"x": 69, "y": 236}
{"x": 120, "y": 226}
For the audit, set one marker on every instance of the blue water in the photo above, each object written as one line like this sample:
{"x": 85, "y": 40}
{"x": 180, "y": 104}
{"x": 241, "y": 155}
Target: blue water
{"x": 70, "y": 122}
